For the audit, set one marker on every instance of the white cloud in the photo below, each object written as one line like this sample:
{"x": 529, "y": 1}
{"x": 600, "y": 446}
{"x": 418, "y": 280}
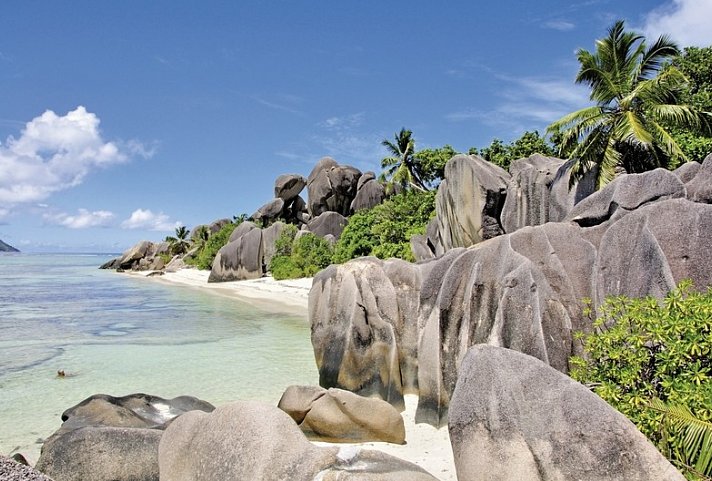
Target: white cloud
{"x": 55, "y": 153}
{"x": 82, "y": 220}
{"x": 686, "y": 21}
{"x": 560, "y": 25}
{"x": 528, "y": 103}
{"x": 145, "y": 219}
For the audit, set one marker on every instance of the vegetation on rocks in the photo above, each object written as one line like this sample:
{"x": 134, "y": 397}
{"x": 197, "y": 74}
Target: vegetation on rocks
{"x": 205, "y": 256}
{"x": 301, "y": 256}
{"x": 637, "y": 102}
{"x": 501, "y": 154}
{"x": 646, "y": 352}
{"x": 385, "y": 230}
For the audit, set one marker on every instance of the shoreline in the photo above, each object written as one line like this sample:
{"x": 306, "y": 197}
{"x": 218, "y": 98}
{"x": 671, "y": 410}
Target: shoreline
{"x": 289, "y": 296}
{"x": 425, "y": 446}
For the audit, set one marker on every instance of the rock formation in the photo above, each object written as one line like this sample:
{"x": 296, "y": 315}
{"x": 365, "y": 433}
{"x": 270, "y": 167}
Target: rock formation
{"x": 7, "y": 247}
{"x": 241, "y": 258}
{"x": 514, "y": 417}
{"x": 248, "y": 440}
{"x": 105, "y": 438}
{"x": 342, "y": 416}
{"x": 14, "y": 471}
{"x": 640, "y": 235}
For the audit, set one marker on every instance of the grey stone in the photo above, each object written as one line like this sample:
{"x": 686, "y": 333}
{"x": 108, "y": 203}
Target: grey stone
{"x": 649, "y": 251}
{"x": 514, "y": 417}
{"x": 288, "y": 186}
{"x": 240, "y": 259}
{"x": 248, "y": 440}
{"x": 420, "y": 248}
{"x": 342, "y": 416}
{"x": 469, "y": 201}
{"x": 365, "y": 177}
{"x": 269, "y": 240}
{"x": 269, "y": 212}
{"x": 687, "y": 171}
{"x": 319, "y": 186}
{"x": 626, "y": 193}
{"x": 14, "y": 471}
{"x": 354, "y": 313}
{"x": 241, "y": 230}
{"x": 369, "y": 195}
{"x": 699, "y": 189}
{"x": 328, "y": 223}
{"x": 539, "y": 192}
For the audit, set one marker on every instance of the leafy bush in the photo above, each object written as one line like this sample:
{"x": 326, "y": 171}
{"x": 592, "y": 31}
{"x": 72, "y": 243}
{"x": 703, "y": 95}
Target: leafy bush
{"x": 385, "y": 230}
{"x": 206, "y": 255}
{"x": 648, "y": 349}
{"x": 307, "y": 255}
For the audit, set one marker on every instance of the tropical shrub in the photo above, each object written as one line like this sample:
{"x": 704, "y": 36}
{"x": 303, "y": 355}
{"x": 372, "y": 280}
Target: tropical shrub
{"x": 499, "y": 153}
{"x": 205, "y": 256}
{"x": 649, "y": 349}
{"x": 306, "y": 256}
{"x": 385, "y": 230}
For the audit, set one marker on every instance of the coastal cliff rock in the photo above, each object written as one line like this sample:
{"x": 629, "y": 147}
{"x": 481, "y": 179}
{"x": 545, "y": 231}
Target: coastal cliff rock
{"x": 514, "y": 417}
{"x": 269, "y": 212}
{"x": 7, "y": 247}
{"x": 327, "y": 223}
{"x": 248, "y": 440}
{"x": 241, "y": 258}
{"x": 106, "y": 438}
{"x": 342, "y": 416}
{"x": 469, "y": 201}
{"x": 539, "y": 192}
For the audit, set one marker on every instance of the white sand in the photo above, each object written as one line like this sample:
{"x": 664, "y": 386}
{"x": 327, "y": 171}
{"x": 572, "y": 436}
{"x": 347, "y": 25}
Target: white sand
{"x": 425, "y": 446}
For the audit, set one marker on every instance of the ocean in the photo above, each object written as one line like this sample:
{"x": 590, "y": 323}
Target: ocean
{"x": 119, "y": 334}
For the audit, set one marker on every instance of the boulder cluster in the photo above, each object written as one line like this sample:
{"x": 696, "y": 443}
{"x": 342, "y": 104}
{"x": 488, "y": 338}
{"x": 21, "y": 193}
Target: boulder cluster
{"x": 388, "y": 327}
{"x": 334, "y": 192}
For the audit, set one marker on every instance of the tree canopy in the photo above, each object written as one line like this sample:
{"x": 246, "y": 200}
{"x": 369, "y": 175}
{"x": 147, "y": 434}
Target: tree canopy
{"x": 636, "y": 103}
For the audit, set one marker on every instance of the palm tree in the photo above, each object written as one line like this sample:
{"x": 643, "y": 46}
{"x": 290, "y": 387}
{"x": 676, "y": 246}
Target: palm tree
{"x": 637, "y": 99}
{"x": 402, "y": 167}
{"x": 179, "y": 243}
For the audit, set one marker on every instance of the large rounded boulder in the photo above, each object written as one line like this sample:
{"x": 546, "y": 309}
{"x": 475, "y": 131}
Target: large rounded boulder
{"x": 514, "y": 417}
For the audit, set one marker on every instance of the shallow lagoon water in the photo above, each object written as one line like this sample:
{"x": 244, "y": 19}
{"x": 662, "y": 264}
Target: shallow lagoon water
{"x": 117, "y": 334}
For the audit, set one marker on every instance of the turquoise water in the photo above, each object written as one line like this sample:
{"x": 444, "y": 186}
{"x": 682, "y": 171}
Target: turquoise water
{"x": 117, "y": 334}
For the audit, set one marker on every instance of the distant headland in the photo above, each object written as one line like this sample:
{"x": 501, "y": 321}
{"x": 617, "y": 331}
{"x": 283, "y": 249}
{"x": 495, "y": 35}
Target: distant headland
{"x": 7, "y": 248}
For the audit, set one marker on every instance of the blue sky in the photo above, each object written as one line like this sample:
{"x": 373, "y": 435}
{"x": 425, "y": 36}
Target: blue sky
{"x": 120, "y": 120}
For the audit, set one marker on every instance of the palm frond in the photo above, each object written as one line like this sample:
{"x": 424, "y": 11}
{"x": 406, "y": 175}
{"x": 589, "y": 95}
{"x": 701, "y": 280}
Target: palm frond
{"x": 697, "y": 441}
{"x": 655, "y": 57}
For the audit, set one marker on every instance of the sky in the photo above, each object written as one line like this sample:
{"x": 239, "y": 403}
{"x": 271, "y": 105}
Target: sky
{"x": 121, "y": 120}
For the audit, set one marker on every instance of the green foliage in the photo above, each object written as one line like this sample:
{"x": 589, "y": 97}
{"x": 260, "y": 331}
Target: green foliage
{"x": 283, "y": 244}
{"x": 385, "y": 230}
{"x": 645, "y": 349}
{"x": 503, "y": 154}
{"x": 401, "y": 166}
{"x": 307, "y": 255}
{"x": 204, "y": 258}
{"x": 696, "y": 64}
{"x": 636, "y": 103}
{"x": 432, "y": 163}
{"x": 179, "y": 244}
{"x": 695, "y": 454}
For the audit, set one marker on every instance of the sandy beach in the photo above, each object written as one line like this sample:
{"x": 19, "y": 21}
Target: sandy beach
{"x": 425, "y": 446}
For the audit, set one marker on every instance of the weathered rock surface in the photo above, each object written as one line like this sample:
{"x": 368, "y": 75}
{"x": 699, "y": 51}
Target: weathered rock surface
{"x": 241, "y": 258}
{"x": 469, "y": 201}
{"x": 102, "y": 454}
{"x": 106, "y": 438}
{"x": 699, "y": 188}
{"x": 342, "y": 416}
{"x": 650, "y": 250}
{"x": 328, "y": 223}
{"x": 288, "y": 186}
{"x": 539, "y": 192}
{"x": 269, "y": 212}
{"x": 269, "y": 240}
{"x": 514, "y": 417}
{"x": 331, "y": 187}
{"x": 141, "y": 257}
{"x": 13, "y": 471}
{"x": 369, "y": 193}
{"x": 687, "y": 171}
{"x": 7, "y": 247}
{"x": 353, "y": 311}
{"x": 248, "y": 440}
